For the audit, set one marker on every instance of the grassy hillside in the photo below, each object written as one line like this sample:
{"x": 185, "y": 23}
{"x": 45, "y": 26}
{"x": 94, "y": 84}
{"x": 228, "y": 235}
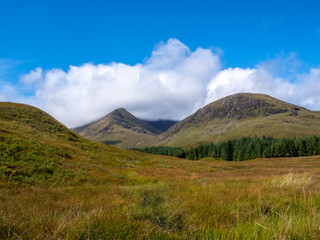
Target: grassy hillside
{"x": 242, "y": 115}
{"x": 38, "y": 150}
{"x": 56, "y": 185}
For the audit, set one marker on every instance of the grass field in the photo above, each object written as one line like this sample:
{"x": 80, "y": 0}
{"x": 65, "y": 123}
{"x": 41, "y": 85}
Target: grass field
{"x": 155, "y": 197}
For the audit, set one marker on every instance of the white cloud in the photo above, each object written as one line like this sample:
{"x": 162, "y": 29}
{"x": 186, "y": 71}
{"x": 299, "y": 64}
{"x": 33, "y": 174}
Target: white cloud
{"x": 33, "y": 77}
{"x": 171, "y": 84}
{"x": 304, "y": 90}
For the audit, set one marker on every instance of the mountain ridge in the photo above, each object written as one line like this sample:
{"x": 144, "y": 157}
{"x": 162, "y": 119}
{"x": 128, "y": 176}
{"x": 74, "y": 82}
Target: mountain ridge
{"x": 234, "y": 116}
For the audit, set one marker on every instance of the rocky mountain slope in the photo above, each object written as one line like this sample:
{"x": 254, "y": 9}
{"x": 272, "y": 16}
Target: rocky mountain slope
{"x": 243, "y": 114}
{"x": 122, "y": 129}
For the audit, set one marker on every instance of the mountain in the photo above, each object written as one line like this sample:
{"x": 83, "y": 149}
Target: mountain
{"x": 122, "y": 129}
{"x": 242, "y": 114}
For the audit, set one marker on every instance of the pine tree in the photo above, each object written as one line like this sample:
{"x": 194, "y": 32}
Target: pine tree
{"x": 227, "y": 151}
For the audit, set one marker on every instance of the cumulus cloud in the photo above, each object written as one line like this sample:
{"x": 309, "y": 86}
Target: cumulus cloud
{"x": 33, "y": 77}
{"x": 171, "y": 84}
{"x": 258, "y": 80}
{"x": 268, "y": 78}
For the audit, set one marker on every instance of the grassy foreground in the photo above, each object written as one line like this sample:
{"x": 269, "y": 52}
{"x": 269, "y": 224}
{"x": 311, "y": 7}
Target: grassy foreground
{"x": 155, "y": 197}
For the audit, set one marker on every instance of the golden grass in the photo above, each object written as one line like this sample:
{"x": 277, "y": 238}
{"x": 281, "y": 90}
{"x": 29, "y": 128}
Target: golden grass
{"x": 168, "y": 198}
{"x": 293, "y": 180}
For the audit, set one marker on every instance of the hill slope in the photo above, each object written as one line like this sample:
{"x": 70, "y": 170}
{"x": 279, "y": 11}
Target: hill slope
{"x": 239, "y": 115}
{"x": 37, "y": 149}
{"x": 119, "y": 128}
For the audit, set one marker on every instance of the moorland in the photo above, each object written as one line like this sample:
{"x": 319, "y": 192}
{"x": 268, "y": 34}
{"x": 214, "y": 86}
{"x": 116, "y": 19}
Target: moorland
{"x": 55, "y": 184}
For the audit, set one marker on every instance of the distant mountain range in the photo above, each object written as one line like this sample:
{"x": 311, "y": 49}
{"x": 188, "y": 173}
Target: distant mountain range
{"x": 235, "y": 116}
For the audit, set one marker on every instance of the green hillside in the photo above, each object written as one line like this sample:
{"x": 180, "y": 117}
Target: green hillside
{"x": 38, "y": 150}
{"x": 242, "y": 115}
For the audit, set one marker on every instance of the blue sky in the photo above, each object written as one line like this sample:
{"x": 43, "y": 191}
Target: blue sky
{"x": 62, "y": 33}
{"x": 245, "y": 34}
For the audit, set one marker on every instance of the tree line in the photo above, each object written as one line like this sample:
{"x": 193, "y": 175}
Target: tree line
{"x": 244, "y": 148}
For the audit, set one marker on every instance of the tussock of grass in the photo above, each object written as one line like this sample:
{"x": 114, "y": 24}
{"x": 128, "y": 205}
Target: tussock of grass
{"x": 293, "y": 180}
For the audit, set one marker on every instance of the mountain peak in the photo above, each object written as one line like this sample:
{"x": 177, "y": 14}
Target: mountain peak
{"x": 119, "y": 114}
{"x": 248, "y": 113}
{"x": 120, "y": 110}
{"x": 119, "y": 128}
{"x": 243, "y": 105}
